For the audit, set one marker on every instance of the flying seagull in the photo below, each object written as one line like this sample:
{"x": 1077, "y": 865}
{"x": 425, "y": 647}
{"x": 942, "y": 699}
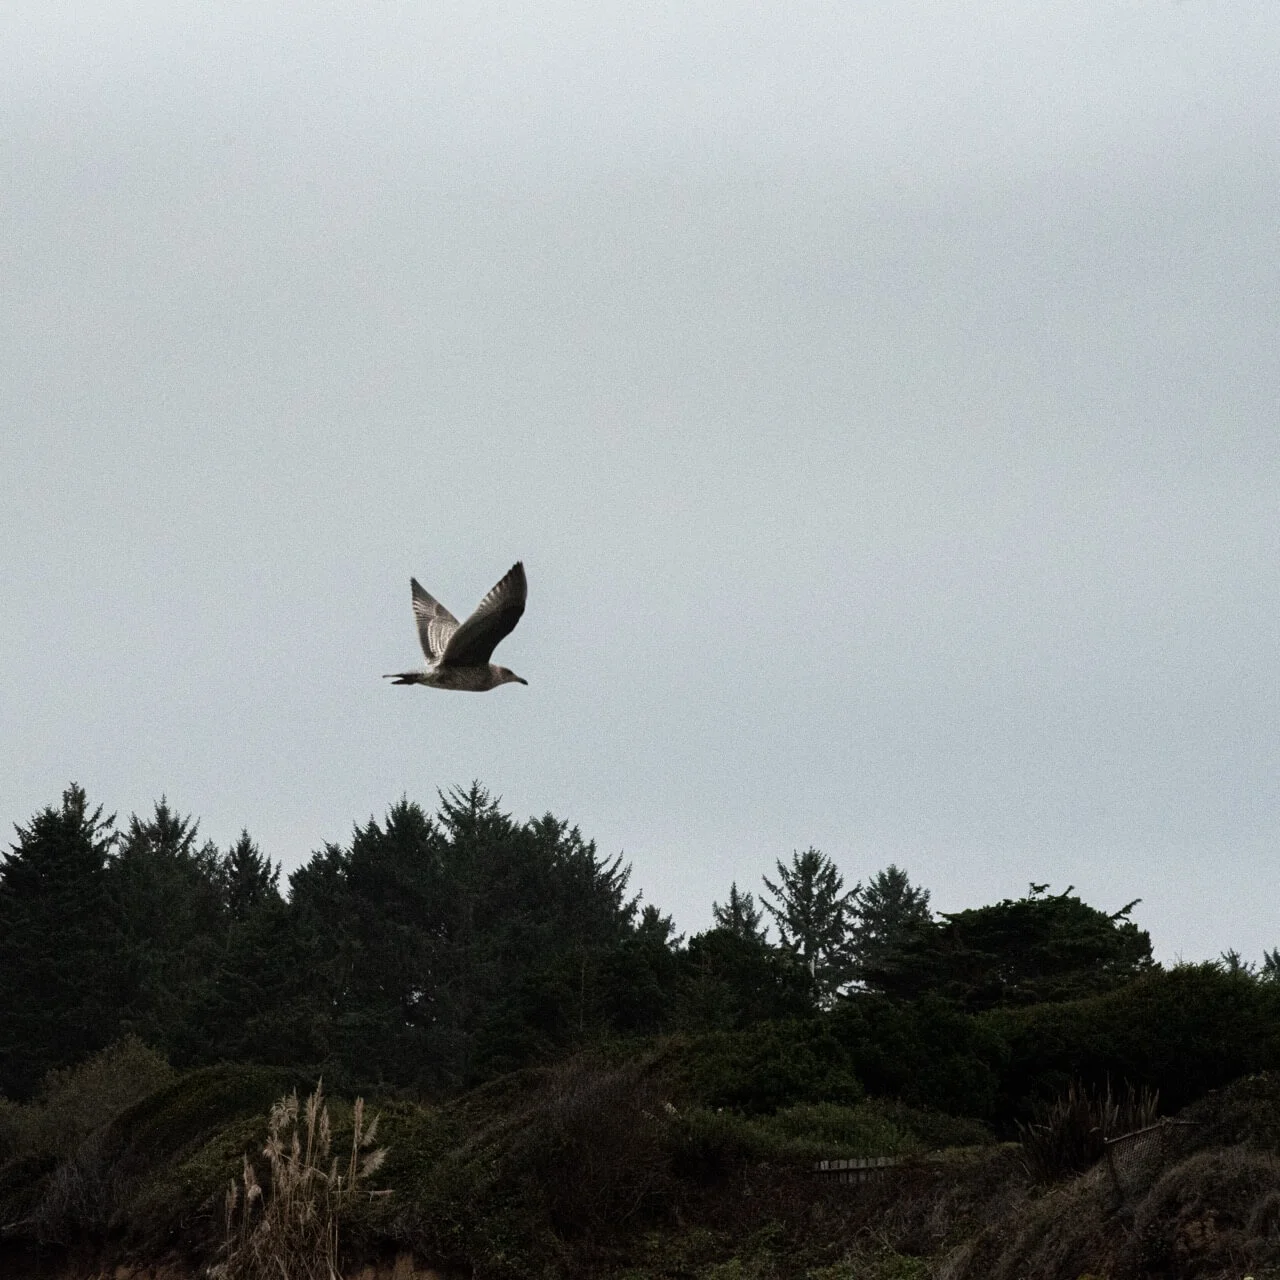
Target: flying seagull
{"x": 458, "y": 653}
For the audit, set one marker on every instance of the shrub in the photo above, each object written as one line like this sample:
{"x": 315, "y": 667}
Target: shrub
{"x": 773, "y": 1065}
{"x": 22, "y": 1184}
{"x": 1213, "y": 1214}
{"x": 152, "y": 1166}
{"x": 710, "y": 1144}
{"x": 593, "y": 1147}
{"x": 1182, "y": 1032}
{"x": 844, "y": 1131}
{"x": 76, "y": 1101}
{"x": 707, "y": 1145}
{"x": 933, "y": 1130}
{"x": 927, "y": 1053}
{"x": 11, "y": 1117}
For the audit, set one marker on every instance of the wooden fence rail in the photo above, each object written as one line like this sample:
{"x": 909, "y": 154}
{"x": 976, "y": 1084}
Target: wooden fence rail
{"x": 861, "y": 1169}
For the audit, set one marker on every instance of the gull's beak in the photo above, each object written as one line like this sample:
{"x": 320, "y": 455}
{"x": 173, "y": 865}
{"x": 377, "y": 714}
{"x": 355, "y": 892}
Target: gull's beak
{"x": 522, "y": 679}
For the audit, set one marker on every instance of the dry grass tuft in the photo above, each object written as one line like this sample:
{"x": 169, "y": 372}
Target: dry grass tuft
{"x": 290, "y": 1230}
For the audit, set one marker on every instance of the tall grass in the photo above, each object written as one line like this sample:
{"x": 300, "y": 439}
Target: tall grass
{"x": 290, "y": 1229}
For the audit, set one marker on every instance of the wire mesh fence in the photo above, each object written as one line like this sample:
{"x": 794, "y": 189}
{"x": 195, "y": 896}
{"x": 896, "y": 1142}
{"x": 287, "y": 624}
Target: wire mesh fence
{"x": 1134, "y": 1160}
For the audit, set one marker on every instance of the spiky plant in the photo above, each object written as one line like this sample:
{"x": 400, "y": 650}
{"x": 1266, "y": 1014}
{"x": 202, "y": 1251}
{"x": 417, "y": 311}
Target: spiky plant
{"x": 290, "y": 1231}
{"x": 1070, "y": 1133}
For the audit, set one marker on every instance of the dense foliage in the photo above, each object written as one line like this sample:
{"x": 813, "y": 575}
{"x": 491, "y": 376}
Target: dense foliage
{"x": 436, "y": 951}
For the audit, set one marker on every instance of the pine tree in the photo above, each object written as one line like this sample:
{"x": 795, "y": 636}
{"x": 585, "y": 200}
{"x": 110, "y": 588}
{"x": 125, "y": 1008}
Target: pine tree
{"x": 889, "y": 915}
{"x": 643, "y": 974}
{"x": 446, "y": 949}
{"x": 57, "y": 996}
{"x": 247, "y": 878}
{"x": 740, "y": 915}
{"x": 813, "y": 912}
{"x": 171, "y": 921}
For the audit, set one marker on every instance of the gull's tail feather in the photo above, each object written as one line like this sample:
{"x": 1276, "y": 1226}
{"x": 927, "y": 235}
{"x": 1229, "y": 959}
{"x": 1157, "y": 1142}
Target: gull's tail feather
{"x": 405, "y": 677}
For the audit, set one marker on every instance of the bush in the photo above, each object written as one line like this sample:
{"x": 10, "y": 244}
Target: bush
{"x": 926, "y": 1053}
{"x": 23, "y": 1181}
{"x": 1179, "y": 1032}
{"x": 154, "y": 1163}
{"x": 173, "y": 1152}
{"x": 1216, "y": 1213}
{"x": 1247, "y": 1111}
{"x": 11, "y": 1118}
{"x": 932, "y": 1130}
{"x": 841, "y": 1132}
{"x": 76, "y": 1101}
{"x": 594, "y": 1146}
{"x": 773, "y": 1065}
{"x": 709, "y": 1145}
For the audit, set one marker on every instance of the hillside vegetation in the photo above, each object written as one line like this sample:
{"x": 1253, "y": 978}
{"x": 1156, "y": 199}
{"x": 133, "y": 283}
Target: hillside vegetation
{"x": 567, "y": 1088}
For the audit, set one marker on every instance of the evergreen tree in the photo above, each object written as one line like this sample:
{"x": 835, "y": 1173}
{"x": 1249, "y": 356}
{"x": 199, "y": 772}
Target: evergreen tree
{"x": 366, "y": 926}
{"x": 170, "y": 919}
{"x": 813, "y": 912}
{"x": 889, "y": 914}
{"x": 264, "y": 995}
{"x": 644, "y": 973}
{"x": 446, "y": 949}
{"x": 1231, "y": 961}
{"x": 733, "y": 980}
{"x": 247, "y": 878}
{"x": 267, "y": 999}
{"x": 57, "y": 995}
{"x": 740, "y": 915}
{"x": 533, "y": 915}
{"x": 576, "y": 914}
{"x": 732, "y": 976}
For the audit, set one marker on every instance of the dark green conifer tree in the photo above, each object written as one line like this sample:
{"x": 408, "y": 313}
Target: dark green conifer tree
{"x": 1042, "y": 947}
{"x": 814, "y": 915}
{"x": 444, "y": 950}
{"x": 889, "y": 915}
{"x": 58, "y": 998}
{"x": 643, "y": 975}
{"x": 247, "y": 878}
{"x": 733, "y": 977}
{"x": 170, "y": 919}
{"x": 740, "y": 915}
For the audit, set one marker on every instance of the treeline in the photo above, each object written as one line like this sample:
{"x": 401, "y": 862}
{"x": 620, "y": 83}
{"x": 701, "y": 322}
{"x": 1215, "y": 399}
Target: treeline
{"x": 436, "y": 951}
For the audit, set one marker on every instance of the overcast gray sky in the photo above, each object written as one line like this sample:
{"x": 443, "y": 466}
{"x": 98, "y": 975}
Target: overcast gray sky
{"x": 882, "y": 398}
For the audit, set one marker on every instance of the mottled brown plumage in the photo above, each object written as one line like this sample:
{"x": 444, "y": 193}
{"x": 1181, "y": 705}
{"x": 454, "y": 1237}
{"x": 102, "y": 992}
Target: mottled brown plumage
{"x": 458, "y": 653}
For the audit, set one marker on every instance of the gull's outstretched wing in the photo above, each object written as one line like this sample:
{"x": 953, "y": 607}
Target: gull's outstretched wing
{"x": 435, "y": 623}
{"x": 474, "y": 641}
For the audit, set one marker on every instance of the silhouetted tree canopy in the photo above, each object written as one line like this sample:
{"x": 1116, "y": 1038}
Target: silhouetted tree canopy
{"x": 814, "y": 915}
{"x": 888, "y": 918}
{"x": 740, "y": 915}
{"x": 1021, "y": 951}
{"x": 433, "y": 951}
{"x": 58, "y": 946}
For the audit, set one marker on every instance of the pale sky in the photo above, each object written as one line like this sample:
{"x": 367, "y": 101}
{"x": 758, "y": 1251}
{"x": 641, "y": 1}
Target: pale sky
{"x": 882, "y": 398}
